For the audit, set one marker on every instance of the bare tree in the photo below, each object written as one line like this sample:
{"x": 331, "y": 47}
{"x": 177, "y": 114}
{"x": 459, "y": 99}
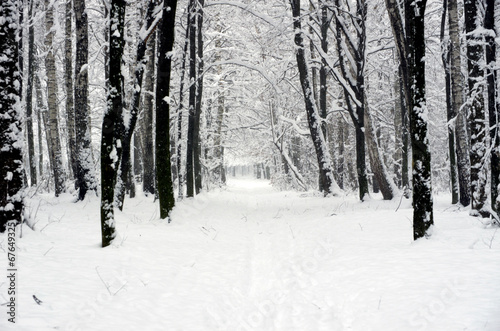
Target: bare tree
{"x": 11, "y": 169}
{"x": 313, "y": 118}
{"x": 50, "y": 67}
{"x": 164, "y": 69}
{"x": 476, "y": 84}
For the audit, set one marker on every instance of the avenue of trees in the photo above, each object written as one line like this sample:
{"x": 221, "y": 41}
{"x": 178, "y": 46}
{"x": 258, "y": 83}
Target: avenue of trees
{"x": 104, "y": 97}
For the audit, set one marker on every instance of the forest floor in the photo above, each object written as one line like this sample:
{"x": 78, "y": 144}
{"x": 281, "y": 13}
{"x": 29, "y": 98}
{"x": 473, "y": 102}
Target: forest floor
{"x": 249, "y": 257}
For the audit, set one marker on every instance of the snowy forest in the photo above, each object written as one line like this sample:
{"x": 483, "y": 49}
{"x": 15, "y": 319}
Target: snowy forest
{"x": 250, "y": 164}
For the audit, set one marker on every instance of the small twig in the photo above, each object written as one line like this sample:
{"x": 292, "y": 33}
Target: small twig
{"x": 400, "y": 200}
{"x": 48, "y": 251}
{"x": 360, "y": 226}
{"x": 493, "y": 237}
{"x": 291, "y": 231}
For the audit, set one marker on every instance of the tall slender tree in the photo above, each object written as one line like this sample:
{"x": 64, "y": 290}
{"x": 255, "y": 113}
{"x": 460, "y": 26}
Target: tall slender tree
{"x": 50, "y": 67}
{"x": 147, "y": 30}
{"x": 199, "y": 97}
{"x": 112, "y": 126}
{"x": 11, "y": 169}
{"x": 450, "y": 111}
{"x": 313, "y": 118}
{"x": 164, "y": 69}
{"x": 68, "y": 78}
{"x": 423, "y": 217}
{"x": 148, "y": 179}
{"x": 85, "y": 177}
{"x": 190, "y": 190}
{"x": 29, "y": 95}
{"x": 457, "y": 104}
{"x": 476, "y": 85}
{"x": 493, "y": 103}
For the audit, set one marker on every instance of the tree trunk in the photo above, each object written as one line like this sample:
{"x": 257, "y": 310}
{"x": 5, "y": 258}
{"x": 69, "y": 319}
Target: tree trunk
{"x": 457, "y": 103}
{"x": 128, "y": 130}
{"x": 50, "y": 68}
{"x": 29, "y": 96}
{"x": 68, "y": 77}
{"x": 421, "y": 157}
{"x": 314, "y": 120}
{"x": 493, "y": 104}
{"x": 148, "y": 179}
{"x": 381, "y": 176}
{"x": 356, "y": 108}
{"x": 477, "y": 112}
{"x": 398, "y": 132}
{"x": 85, "y": 164}
{"x": 199, "y": 96}
{"x": 11, "y": 137}
{"x": 325, "y": 24}
{"x": 180, "y": 177}
{"x": 112, "y": 125}
{"x": 163, "y": 166}
{"x": 450, "y": 111}
{"x": 192, "y": 101}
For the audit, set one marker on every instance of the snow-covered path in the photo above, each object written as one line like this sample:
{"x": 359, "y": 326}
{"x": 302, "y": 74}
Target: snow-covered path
{"x": 252, "y": 258}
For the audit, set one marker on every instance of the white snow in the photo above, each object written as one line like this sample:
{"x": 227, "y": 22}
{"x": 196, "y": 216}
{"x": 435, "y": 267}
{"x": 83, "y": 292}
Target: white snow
{"x": 252, "y": 258}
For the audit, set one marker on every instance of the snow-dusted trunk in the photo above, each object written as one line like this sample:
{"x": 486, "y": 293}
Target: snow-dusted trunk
{"x": 42, "y": 123}
{"x": 313, "y": 117}
{"x": 199, "y": 96}
{"x": 163, "y": 166}
{"x": 450, "y": 111}
{"x": 112, "y": 122}
{"x": 29, "y": 97}
{"x": 138, "y": 74}
{"x": 493, "y": 103}
{"x": 457, "y": 104}
{"x": 325, "y": 24}
{"x": 50, "y": 67}
{"x": 192, "y": 100}
{"x": 476, "y": 84}
{"x": 148, "y": 177}
{"x": 11, "y": 168}
{"x": 354, "y": 74}
{"x": 180, "y": 173}
{"x": 398, "y": 131}
{"x": 421, "y": 156}
{"x": 85, "y": 165}
{"x": 68, "y": 79}
{"x": 384, "y": 181}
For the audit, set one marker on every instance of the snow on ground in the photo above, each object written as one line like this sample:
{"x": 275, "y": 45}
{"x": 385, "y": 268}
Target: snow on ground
{"x": 251, "y": 258}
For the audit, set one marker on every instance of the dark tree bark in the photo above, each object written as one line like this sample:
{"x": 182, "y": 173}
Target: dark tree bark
{"x": 180, "y": 177}
{"x": 29, "y": 96}
{"x": 68, "y": 77}
{"x": 112, "y": 125}
{"x": 163, "y": 166}
{"x": 85, "y": 178}
{"x": 148, "y": 179}
{"x": 11, "y": 169}
{"x": 450, "y": 111}
{"x": 356, "y": 111}
{"x": 493, "y": 104}
{"x": 422, "y": 186}
{"x": 192, "y": 101}
{"x": 477, "y": 112}
{"x": 141, "y": 59}
{"x": 313, "y": 118}
{"x": 199, "y": 96}
{"x": 325, "y": 24}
